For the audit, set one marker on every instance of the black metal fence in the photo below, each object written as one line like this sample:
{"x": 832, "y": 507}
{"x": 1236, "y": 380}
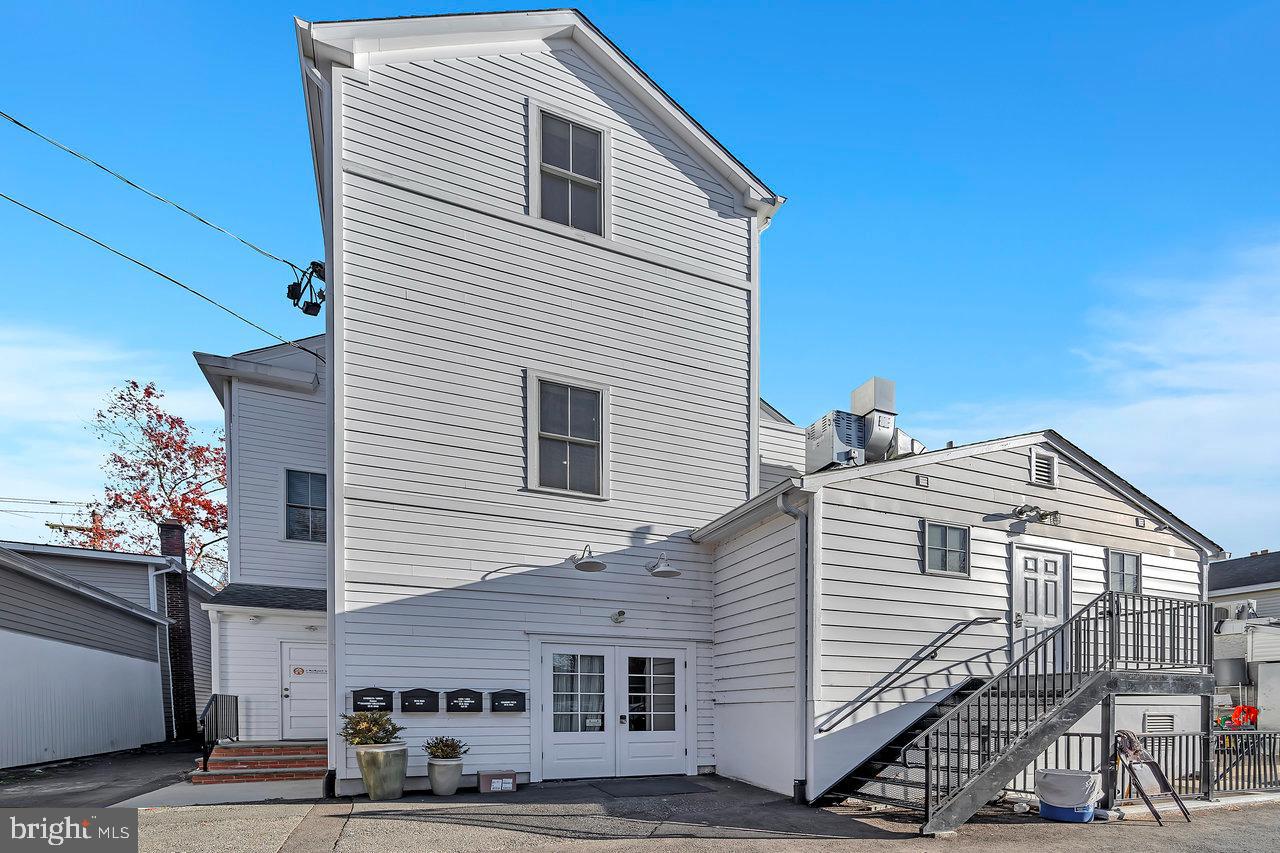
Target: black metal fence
{"x": 220, "y": 720}
{"x": 1240, "y": 762}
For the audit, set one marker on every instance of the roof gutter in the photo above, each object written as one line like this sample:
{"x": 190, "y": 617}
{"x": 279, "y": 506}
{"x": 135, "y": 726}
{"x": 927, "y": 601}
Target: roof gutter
{"x": 219, "y": 367}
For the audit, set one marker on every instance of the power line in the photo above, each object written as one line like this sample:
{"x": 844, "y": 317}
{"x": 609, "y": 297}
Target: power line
{"x": 86, "y": 158}
{"x": 41, "y": 501}
{"x": 152, "y": 269}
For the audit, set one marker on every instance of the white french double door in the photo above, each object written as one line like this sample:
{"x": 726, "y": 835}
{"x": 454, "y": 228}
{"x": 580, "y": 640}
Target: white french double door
{"x": 612, "y": 711}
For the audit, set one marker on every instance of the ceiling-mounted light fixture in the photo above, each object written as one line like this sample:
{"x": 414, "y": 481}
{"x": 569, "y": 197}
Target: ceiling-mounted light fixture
{"x": 660, "y": 568}
{"x": 1027, "y": 512}
{"x": 588, "y": 562}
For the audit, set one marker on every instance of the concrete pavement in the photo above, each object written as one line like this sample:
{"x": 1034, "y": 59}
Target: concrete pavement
{"x": 98, "y": 780}
{"x": 728, "y": 816}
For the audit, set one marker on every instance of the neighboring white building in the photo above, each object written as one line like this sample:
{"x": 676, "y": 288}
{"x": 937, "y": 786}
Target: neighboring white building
{"x": 542, "y": 360}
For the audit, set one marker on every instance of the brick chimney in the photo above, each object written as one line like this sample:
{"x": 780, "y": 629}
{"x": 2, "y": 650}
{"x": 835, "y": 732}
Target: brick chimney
{"x": 173, "y": 543}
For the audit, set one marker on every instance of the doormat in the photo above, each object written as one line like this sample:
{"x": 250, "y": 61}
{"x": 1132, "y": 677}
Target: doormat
{"x": 658, "y": 786}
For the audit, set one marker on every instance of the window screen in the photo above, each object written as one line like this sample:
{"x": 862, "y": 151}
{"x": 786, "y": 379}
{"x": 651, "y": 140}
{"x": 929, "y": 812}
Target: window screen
{"x": 946, "y": 548}
{"x": 571, "y": 188}
{"x": 568, "y": 438}
{"x": 305, "y": 513}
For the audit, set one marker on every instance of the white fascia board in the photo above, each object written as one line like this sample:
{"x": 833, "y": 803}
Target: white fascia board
{"x": 262, "y": 611}
{"x": 763, "y": 506}
{"x": 218, "y": 367}
{"x": 83, "y": 553}
{"x": 25, "y": 565}
{"x": 1053, "y": 439}
{"x": 356, "y": 43}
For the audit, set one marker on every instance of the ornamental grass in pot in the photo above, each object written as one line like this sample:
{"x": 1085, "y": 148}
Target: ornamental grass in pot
{"x": 444, "y": 763}
{"x": 381, "y": 757}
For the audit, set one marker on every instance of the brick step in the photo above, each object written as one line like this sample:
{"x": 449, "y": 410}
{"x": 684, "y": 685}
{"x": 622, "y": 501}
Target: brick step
{"x": 258, "y": 762}
{"x": 275, "y": 747}
{"x": 280, "y": 774}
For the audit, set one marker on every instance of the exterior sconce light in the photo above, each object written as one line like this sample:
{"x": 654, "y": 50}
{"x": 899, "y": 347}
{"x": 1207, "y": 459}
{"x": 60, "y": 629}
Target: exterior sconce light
{"x": 619, "y": 617}
{"x": 661, "y": 568}
{"x": 1027, "y": 512}
{"x": 254, "y": 620}
{"x": 313, "y": 628}
{"x": 588, "y": 562}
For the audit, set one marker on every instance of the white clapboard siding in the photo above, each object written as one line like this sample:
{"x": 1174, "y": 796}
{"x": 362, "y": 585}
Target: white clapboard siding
{"x": 781, "y": 453}
{"x": 249, "y": 665}
{"x": 459, "y": 125}
{"x": 59, "y": 700}
{"x": 878, "y": 607}
{"x": 273, "y": 430}
{"x": 753, "y": 620}
{"x": 201, "y": 642}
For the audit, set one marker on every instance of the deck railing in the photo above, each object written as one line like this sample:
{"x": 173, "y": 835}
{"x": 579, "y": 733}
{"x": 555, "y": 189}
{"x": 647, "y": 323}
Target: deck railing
{"x": 1240, "y": 762}
{"x": 1115, "y": 631}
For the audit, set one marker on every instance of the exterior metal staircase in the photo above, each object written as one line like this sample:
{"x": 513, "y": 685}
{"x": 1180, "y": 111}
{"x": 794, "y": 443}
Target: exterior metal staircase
{"x": 957, "y": 757}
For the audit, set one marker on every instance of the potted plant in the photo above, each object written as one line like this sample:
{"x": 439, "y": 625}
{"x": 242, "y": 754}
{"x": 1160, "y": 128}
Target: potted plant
{"x": 381, "y": 757}
{"x": 444, "y": 763}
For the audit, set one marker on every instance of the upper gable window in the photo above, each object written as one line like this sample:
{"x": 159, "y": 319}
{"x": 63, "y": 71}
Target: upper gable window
{"x": 1044, "y": 468}
{"x": 1124, "y": 572}
{"x": 571, "y": 189}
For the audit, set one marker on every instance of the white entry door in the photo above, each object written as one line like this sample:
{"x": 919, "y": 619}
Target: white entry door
{"x": 304, "y": 690}
{"x": 612, "y": 711}
{"x": 1040, "y": 596}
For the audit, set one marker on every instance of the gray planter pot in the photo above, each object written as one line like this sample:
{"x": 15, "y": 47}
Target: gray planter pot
{"x": 382, "y": 767}
{"x": 444, "y": 774}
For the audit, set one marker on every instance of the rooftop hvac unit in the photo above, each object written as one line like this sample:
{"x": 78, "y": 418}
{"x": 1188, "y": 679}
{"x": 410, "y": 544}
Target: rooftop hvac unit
{"x": 1245, "y": 608}
{"x": 834, "y": 439}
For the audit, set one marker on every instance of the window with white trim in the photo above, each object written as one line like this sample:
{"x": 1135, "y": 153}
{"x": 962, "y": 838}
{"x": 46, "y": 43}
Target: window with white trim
{"x": 946, "y": 548}
{"x": 1124, "y": 571}
{"x": 305, "y": 508}
{"x": 569, "y": 435}
{"x": 1044, "y": 468}
{"x": 571, "y": 188}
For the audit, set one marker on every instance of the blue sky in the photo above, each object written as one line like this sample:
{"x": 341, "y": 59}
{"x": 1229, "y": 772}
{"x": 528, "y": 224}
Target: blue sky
{"x": 1028, "y": 215}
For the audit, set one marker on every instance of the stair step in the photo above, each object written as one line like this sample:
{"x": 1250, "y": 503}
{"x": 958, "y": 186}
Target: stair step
{"x": 277, "y": 747}
{"x": 880, "y": 780}
{"x": 275, "y": 774}
{"x": 260, "y": 762}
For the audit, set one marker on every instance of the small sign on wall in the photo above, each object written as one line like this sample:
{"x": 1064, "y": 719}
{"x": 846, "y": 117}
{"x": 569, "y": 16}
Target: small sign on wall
{"x": 419, "y": 701}
{"x": 464, "y": 701}
{"x": 371, "y": 699}
{"x": 506, "y": 701}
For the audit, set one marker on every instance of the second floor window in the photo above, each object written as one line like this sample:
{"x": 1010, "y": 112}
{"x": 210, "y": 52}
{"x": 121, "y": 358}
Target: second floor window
{"x": 571, "y": 189}
{"x": 304, "y": 506}
{"x": 569, "y": 438}
{"x": 946, "y": 548}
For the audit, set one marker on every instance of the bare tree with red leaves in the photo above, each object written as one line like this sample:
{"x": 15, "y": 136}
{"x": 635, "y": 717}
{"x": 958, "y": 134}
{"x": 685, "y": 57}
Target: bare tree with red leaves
{"x": 157, "y": 469}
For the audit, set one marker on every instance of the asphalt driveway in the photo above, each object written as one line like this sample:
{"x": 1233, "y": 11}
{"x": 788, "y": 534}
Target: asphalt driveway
{"x": 98, "y": 780}
{"x": 725, "y": 815}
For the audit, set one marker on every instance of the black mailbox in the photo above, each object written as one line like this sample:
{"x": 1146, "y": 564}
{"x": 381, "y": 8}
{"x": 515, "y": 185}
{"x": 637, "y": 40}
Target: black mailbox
{"x": 371, "y": 699}
{"x": 506, "y": 701}
{"x": 464, "y": 701}
{"x": 419, "y": 701}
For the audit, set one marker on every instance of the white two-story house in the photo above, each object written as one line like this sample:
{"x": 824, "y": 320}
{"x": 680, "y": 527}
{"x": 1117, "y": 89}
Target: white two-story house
{"x": 525, "y": 476}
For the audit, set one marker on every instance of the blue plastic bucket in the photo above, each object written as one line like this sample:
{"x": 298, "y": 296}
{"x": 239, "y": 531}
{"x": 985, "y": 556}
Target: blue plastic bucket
{"x": 1076, "y": 814}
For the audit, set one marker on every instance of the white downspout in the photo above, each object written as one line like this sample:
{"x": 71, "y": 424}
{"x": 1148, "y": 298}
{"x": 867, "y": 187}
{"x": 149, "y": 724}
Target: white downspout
{"x": 801, "y": 602}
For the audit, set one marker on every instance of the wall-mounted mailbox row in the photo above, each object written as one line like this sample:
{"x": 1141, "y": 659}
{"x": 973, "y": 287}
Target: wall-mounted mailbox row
{"x": 423, "y": 701}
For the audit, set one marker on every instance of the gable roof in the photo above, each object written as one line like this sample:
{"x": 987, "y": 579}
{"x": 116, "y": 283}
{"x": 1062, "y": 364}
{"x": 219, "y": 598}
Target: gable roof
{"x": 758, "y": 507}
{"x": 1251, "y": 571}
{"x": 341, "y": 41}
{"x": 264, "y": 597}
{"x": 22, "y": 564}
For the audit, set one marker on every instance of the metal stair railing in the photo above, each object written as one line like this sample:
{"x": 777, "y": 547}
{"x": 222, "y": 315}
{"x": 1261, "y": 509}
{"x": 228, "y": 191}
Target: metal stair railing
{"x": 929, "y": 651}
{"x": 1115, "y": 631}
{"x": 220, "y": 720}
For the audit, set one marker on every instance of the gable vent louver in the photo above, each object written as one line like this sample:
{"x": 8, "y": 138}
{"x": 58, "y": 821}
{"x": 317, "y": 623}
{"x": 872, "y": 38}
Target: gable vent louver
{"x": 1044, "y": 469}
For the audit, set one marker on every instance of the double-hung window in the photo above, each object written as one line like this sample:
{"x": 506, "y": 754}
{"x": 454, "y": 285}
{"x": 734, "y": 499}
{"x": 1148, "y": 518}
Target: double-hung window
{"x": 946, "y": 548}
{"x": 304, "y": 506}
{"x": 571, "y": 188}
{"x": 569, "y": 434}
{"x": 1124, "y": 572}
